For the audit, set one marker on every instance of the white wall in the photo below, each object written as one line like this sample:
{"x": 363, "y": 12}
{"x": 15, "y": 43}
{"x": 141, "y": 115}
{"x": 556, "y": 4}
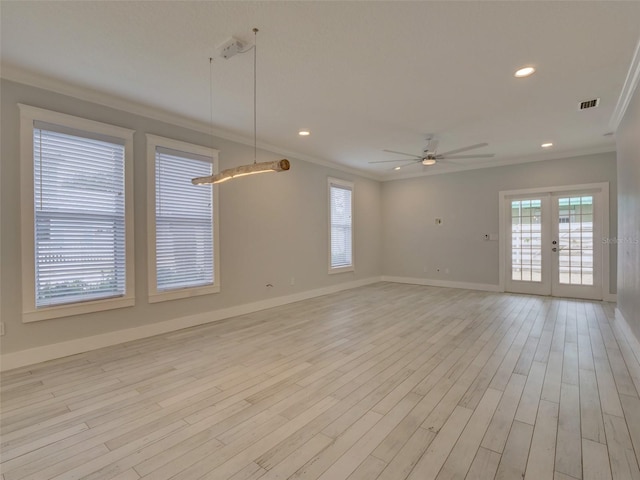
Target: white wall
{"x": 272, "y": 227}
{"x": 468, "y": 204}
{"x": 628, "y": 150}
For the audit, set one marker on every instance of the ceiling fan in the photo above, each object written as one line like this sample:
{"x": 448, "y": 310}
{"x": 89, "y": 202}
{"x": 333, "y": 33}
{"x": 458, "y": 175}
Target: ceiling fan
{"x": 430, "y": 156}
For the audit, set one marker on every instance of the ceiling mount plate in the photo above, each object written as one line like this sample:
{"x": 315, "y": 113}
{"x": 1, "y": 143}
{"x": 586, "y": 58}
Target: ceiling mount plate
{"x": 230, "y": 48}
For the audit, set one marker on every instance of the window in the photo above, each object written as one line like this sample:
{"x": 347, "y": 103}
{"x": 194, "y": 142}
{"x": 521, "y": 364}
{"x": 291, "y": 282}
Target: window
{"x": 77, "y": 215}
{"x": 340, "y": 231}
{"x": 182, "y": 220}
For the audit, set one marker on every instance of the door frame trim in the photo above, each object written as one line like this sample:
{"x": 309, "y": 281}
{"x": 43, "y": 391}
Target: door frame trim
{"x": 603, "y": 187}
{"x": 530, "y": 288}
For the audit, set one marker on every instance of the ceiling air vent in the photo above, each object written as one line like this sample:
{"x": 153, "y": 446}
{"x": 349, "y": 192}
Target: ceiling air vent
{"x": 589, "y": 104}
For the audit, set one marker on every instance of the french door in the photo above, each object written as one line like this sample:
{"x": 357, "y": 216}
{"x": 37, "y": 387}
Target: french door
{"x": 553, "y": 243}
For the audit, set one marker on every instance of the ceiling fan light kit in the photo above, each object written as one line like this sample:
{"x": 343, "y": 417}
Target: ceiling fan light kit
{"x": 228, "y": 50}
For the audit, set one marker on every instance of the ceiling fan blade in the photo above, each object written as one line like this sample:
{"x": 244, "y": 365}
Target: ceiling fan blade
{"x": 389, "y": 161}
{"x": 402, "y": 153}
{"x": 464, "y": 149}
{"x": 484, "y": 155}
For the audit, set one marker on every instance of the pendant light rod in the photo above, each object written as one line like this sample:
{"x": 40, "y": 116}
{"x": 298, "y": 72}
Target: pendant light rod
{"x": 243, "y": 170}
{"x": 211, "y": 96}
{"x": 255, "y": 96}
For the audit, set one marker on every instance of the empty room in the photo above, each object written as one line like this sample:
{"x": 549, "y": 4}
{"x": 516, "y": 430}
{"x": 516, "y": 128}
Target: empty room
{"x": 335, "y": 240}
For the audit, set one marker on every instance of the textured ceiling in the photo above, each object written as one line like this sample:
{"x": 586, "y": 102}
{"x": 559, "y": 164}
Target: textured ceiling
{"x": 362, "y": 76}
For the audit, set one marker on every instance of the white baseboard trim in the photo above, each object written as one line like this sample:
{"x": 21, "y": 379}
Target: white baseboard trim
{"x": 31, "y": 356}
{"x": 486, "y": 287}
{"x": 622, "y": 323}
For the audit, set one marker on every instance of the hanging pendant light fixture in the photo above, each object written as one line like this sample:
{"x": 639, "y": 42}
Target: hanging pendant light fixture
{"x": 251, "y": 169}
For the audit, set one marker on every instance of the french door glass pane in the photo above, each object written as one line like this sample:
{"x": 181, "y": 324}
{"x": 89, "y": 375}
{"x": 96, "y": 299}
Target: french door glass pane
{"x": 526, "y": 244}
{"x": 575, "y": 242}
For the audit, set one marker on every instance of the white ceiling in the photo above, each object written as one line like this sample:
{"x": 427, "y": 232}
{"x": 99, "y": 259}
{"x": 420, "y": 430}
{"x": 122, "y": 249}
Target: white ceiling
{"x": 362, "y": 76}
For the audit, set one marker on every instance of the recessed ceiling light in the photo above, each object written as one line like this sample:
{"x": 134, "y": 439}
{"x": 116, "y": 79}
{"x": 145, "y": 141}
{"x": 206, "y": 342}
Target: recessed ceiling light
{"x": 547, "y": 145}
{"x": 397, "y": 168}
{"x": 524, "y": 72}
{"x": 304, "y": 133}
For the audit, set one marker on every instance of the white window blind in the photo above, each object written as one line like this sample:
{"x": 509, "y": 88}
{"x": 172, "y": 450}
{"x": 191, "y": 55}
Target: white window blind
{"x": 184, "y": 221}
{"x": 79, "y": 216}
{"x": 341, "y": 233}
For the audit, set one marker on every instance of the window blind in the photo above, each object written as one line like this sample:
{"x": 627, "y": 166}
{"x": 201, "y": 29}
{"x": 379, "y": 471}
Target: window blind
{"x": 184, "y": 221}
{"x": 79, "y": 215}
{"x": 341, "y": 248}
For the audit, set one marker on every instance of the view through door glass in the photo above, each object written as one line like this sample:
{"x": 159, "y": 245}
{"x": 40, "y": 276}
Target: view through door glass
{"x": 575, "y": 240}
{"x": 526, "y": 240}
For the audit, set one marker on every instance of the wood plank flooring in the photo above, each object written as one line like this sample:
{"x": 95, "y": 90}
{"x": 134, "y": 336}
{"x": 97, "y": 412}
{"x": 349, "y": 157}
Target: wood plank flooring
{"x": 386, "y": 382}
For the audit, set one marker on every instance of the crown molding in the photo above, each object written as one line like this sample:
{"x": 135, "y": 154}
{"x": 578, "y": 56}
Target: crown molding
{"x": 19, "y": 75}
{"x": 629, "y": 87}
{"x": 27, "y": 77}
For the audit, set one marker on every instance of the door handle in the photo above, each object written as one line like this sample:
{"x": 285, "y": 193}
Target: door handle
{"x": 554, "y": 249}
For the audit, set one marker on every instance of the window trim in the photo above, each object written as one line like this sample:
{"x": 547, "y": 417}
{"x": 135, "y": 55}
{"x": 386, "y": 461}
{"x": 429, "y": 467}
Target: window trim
{"x": 154, "y": 141}
{"x": 29, "y": 114}
{"x": 331, "y": 181}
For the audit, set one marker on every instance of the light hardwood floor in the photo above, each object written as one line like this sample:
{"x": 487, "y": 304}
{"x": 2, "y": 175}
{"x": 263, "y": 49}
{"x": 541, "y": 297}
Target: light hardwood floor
{"x": 384, "y": 382}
